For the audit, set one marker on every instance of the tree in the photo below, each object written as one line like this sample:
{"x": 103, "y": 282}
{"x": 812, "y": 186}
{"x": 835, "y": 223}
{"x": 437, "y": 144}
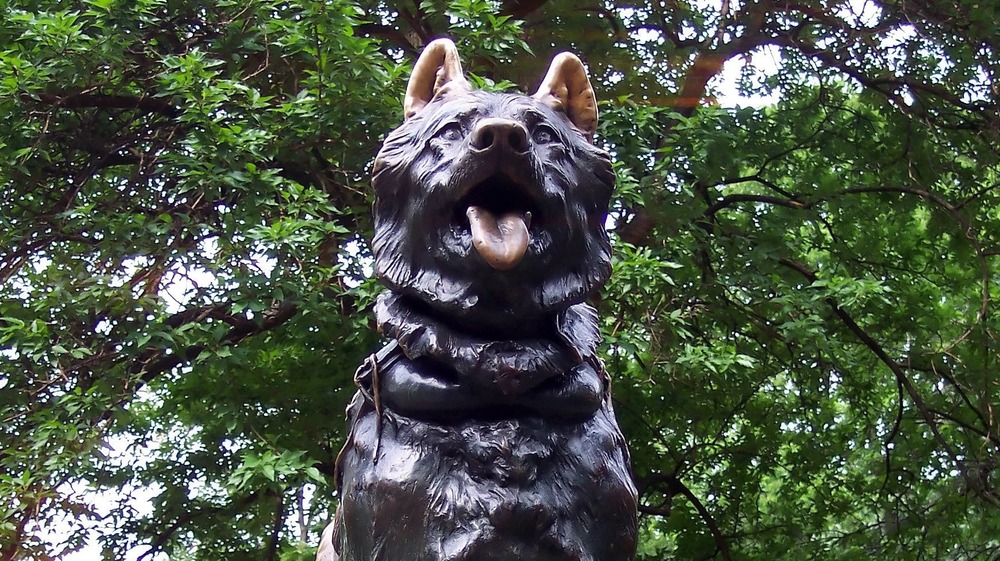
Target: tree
{"x": 800, "y": 325}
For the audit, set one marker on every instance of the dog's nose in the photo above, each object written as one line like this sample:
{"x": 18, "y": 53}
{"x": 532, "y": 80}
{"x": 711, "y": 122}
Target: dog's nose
{"x": 500, "y": 134}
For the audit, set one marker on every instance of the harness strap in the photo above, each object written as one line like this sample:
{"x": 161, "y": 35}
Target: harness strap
{"x": 366, "y": 378}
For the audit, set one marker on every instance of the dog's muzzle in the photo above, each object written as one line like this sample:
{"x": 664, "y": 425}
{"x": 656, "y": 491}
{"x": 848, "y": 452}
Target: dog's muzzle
{"x": 500, "y": 236}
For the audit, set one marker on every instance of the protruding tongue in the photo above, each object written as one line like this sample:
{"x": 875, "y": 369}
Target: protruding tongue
{"x": 501, "y": 242}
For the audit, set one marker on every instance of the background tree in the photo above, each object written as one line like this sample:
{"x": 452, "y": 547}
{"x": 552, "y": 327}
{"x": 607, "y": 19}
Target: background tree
{"x": 800, "y": 325}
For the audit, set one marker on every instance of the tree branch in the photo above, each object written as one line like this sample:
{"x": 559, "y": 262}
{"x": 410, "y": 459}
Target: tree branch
{"x": 894, "y": 367}
{"x": 708, "y": 62}
{"x": 706, "y": 516}
{"x": 520, "y": 8}
{"x": 155, "y": 362}
{"x": 98, "y": 101}
{"x": 730, "y": 200}
{"x": 279, "y": 520}
{"x": 190, "y": 515}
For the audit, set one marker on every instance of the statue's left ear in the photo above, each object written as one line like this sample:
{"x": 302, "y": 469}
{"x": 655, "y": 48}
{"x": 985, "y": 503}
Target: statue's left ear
{"x": 566, "y": 88}
{"x": 436, "y": 71}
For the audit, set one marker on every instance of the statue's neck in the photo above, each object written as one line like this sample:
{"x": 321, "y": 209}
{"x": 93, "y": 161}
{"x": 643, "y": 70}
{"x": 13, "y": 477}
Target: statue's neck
{"x": 539, "y": 349}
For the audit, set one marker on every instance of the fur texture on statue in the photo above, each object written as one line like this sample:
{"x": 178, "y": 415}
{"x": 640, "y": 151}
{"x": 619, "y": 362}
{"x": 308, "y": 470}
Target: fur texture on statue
{"x": 484, "y": 429}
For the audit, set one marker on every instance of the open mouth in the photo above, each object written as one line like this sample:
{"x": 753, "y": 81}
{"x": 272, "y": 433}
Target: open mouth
{"x": 499, "y": 213}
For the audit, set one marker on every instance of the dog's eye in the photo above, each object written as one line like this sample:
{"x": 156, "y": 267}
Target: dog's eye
{"x": 543, "y": 135}
{"x": 450, "y": 132}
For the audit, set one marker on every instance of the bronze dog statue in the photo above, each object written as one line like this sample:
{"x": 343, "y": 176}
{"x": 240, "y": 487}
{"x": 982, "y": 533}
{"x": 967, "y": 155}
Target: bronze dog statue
{"x": 484, "y": 429}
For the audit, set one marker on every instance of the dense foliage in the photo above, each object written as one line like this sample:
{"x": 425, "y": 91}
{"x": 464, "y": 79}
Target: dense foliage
{"x": 801, "y": 325}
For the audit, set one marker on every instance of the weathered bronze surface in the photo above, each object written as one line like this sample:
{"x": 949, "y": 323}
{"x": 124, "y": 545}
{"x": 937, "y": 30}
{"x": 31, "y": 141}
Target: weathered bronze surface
{"x": 484, "y": 430}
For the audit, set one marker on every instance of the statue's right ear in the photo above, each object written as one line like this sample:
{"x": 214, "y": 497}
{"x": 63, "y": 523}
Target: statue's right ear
{"x": 436, "y": 72}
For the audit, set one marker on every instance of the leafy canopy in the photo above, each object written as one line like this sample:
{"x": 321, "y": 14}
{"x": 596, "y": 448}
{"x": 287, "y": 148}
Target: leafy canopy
{"x": 800, "y": 327}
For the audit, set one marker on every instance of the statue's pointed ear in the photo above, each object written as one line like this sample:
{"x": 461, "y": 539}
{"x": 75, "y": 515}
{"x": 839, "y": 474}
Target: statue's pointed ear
{"x": 437, "y": 70}
{"x": 566, "y": 88}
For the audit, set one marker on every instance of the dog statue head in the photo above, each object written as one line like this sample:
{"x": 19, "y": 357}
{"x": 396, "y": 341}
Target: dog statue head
{"x": 490, "y": 207}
